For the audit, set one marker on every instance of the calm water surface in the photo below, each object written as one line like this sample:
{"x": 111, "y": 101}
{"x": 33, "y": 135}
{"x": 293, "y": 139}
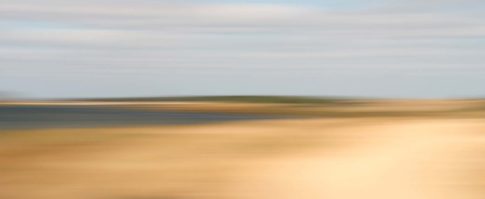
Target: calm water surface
{"x": 20, "y": 117}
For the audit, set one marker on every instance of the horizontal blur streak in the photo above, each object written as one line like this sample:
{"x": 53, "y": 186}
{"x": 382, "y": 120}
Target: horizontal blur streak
{"x": 348, "y": 148}
{"x": 148, "y": 48}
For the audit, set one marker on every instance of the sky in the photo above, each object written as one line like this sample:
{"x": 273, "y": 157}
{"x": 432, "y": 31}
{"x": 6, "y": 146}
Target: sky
{"x": 346, "y": 48}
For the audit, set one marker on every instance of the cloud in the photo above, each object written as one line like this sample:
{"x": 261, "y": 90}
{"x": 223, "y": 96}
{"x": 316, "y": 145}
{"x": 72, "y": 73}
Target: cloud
{"x": 162, "y": 13}
{"x": 163, "y": 37}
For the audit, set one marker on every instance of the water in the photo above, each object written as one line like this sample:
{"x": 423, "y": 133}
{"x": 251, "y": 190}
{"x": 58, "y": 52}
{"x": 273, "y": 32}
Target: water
{"x": 21, "y": 117}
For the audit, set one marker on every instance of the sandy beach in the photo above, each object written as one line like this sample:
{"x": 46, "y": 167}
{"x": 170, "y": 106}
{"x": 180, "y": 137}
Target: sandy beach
{"x": 294, "y": 158}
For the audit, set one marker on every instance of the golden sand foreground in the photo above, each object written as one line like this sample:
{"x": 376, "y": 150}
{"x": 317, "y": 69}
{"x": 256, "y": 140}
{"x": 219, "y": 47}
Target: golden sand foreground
{"x": 302, "y": 158}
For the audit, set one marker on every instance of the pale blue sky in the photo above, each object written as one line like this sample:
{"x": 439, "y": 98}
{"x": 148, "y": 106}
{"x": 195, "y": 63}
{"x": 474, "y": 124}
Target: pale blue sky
{"x": 110, "y": 48}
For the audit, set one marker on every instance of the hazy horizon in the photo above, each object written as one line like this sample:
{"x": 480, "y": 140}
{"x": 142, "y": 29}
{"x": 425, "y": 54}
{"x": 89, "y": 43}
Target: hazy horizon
{"x": 348, "y": 48}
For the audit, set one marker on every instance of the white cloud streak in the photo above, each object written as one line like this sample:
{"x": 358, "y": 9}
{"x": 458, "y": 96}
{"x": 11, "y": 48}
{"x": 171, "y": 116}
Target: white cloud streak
{"x": 158, "y": 37}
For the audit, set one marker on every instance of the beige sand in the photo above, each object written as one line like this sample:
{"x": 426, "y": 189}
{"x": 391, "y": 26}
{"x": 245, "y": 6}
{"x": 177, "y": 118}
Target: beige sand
{"x": 318, "y": 158}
